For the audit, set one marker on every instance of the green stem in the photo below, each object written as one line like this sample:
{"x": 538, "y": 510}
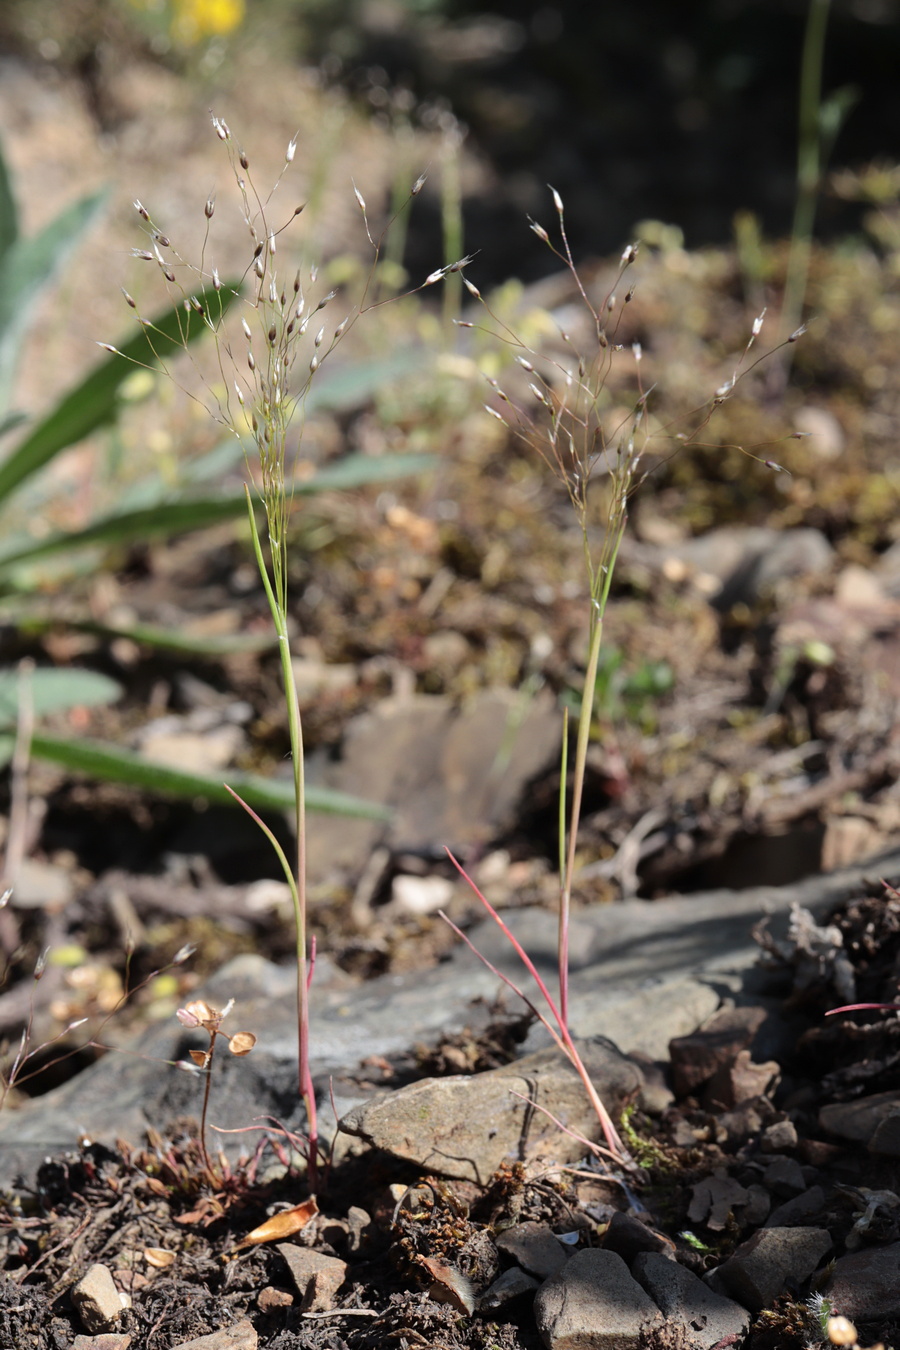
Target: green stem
{"x": 295, "y": 731}
{"x": 585, "y": 716}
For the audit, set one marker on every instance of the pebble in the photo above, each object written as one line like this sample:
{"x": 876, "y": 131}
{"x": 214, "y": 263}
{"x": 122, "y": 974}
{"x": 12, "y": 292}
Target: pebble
{"x": 866, "y": 1284}
{"x": 594, "y": 1303}
{"x": 761, "y": 1268}
{"x": 317, "y": 1277}
{"x": 627, "y": 1236}
{"x": 239, "y": 1336}
{"x": 108, "y": 1340}
{"x": 778, "y": 1136}
{"x": 511, "y": 1285}
{"x": 705, "y": 1318}
{"x": 794, "y": 1213}
{"x": 535, "y": 1247}
{"x": 697, "y": 1057}
{"x": 784, "y": 1177}
{"x": 858, "y": 1120}
{"x": 97, "y": 1299}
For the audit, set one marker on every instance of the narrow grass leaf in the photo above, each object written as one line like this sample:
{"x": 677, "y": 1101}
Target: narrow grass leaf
{"x": 211, "y": 645}
{"x": 27, "y": 267}
{"x": 9, "y": 216}
{"x": 94, "y": 402}
{"x": 178, "y": 514}
{"x": 98, "y": 759}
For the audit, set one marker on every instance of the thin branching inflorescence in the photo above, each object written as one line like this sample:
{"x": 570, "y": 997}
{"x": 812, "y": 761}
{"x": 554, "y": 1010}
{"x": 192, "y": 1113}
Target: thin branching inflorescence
{"x": 561, "y": 420}
{"x": 267, "y": 360}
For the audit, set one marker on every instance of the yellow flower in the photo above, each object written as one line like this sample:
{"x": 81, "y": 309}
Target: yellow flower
{"x": 194, "y": 20}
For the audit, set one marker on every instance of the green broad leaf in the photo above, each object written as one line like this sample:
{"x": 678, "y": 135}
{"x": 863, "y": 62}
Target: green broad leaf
{"x": 178, "y": 514}
{"x": 113, "y": 764}
{"x": 27, "y": 266}
{"x": 9, "y": 215}
{"x": 94, "y": 402}
{"x": 54, "y": 690}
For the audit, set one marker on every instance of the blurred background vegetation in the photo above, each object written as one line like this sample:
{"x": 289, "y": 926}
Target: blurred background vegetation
{"x": 682, "y": 113}
{"x": 677, "y": 123}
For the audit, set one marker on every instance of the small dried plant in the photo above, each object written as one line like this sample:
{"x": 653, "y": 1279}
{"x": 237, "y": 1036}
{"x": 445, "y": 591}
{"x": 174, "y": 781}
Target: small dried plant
{"x": 267, "y": 362}
{"x": 200, "y": 1015}
{"x": 566, "y": 426}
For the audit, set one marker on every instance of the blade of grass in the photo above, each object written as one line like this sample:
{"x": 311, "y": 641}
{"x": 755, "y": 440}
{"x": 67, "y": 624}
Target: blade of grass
{"x": 98, "y": 759}
{"x": 93, "y": 403}
{"x": 212, "y": 645}
{"x": 177, "y": 515}
{"x": 29, "y": 265}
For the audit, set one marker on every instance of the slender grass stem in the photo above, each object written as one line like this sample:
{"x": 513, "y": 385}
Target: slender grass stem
{"x": 298, "y": 888}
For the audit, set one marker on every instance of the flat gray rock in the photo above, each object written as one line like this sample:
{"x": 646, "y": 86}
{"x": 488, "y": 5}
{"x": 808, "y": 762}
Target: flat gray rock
{"x": 642, "y": 972}
{"x": 466, "y": 1126}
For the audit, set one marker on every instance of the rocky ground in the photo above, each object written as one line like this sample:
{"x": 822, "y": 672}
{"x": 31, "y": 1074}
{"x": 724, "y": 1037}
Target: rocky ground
{"x": 745, "y": 761}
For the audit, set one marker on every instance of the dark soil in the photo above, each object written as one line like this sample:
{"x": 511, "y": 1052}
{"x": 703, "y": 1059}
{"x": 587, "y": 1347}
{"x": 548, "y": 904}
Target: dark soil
{"x": 176, "y": 1242}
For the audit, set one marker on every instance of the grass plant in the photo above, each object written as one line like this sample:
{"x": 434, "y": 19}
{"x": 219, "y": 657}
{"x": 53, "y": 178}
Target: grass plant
{"x": 568, "y": 426}
{"x": 268, "y": 364}
{"x": 270, "y": 354}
